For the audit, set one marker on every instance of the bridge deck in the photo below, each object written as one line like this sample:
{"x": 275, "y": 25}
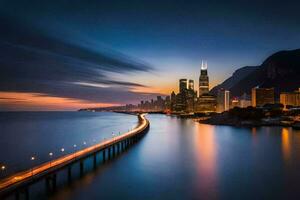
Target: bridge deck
{"x": 48, "y": 167}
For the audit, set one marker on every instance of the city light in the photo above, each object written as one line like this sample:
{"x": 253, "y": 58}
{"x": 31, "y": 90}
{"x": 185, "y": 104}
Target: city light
{"x": 50, "y": 154}
{"x": 3, "y": 167}
{"x": 62, "y": 149}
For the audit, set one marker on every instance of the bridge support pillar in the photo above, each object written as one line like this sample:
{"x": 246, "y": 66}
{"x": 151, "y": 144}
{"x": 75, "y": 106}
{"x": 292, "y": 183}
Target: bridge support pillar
{"x": 109, "y": 152}
{"x": 114, "y": 150}
{"x": 103, "y": 155}
{"x": 81, "y": 167}
{"x": 95, "y": 160}
{"x": 54, "y": 181}
{"x": 51, "y": 183}
{"x": 22, "y": 192}
{"x": 69, "y": 173}
{"x": 118, "y": 147}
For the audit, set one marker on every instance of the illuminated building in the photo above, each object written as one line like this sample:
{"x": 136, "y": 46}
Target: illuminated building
{"x": 203, "y": 80}
{"x": 290, "y": 99}
{"x": 245, "y": 101}
{"x": 173, "y": 101}
{"x": 262, "y": 96}
{"x": 190, "y": 98}
{"x": 191, "y": 85}
{"x": 180, "y": 105}
{"x": 205, "y": 103}
{"x": 235, "y": 102}
{"x": 223, "y": 100}
{"x": 182, "y": 85}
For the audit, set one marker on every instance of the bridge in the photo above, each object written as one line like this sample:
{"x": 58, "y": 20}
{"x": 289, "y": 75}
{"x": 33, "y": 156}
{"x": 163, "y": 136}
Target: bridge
{"x": 20, "y": 182}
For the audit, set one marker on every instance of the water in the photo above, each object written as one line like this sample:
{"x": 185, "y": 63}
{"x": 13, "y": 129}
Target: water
{"x": 182, "y": 159}
{"x": 27, "y": 134}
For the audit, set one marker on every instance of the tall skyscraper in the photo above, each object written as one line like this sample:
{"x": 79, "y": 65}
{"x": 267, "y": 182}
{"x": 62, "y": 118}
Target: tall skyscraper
{"x": 203, "y": 80}
{"x": 191, "y": 85}
{"x": 182, "y": 85}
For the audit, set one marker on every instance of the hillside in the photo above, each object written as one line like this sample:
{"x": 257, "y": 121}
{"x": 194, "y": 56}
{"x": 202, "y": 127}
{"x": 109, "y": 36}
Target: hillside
{"x": 281, "y": 71}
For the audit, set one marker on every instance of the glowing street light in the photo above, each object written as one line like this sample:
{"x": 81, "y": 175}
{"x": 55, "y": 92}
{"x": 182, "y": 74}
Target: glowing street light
{"x": 3, "y": 167}
{"x": 75, "y": 150}
{"x": 62, "y": 149}
{"x": 32, "y": 159}
{"x": 50, "y": 154}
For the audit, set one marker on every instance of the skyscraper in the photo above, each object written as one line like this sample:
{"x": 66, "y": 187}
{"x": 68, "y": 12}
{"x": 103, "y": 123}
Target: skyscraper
{"x": 182, "y": 85}
{"x": 191, "y": 85}
{"x": 203, "y": 80}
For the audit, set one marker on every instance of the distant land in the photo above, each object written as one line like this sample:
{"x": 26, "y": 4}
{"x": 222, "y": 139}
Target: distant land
{"x": 280, "y": 70}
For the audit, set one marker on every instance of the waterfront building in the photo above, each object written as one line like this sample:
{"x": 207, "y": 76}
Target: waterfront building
{"x": 180, "y": 103}
{"x": 190, "y": 100}
{"x": 262, "y": 96}
{"x": 205, "y": 103}
{"x": 235, "y": 102}
{"x": 245, "y": 101}
{"x": 223, "y": 100}
{"x": 167, "y": 103}
{"x": 290, "y": 99}
{"x": 173, "y": 101}
{"x": 203, "y": 80}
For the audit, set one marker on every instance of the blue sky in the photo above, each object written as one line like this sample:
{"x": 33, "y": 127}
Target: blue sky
{"x": 126, "y": 51}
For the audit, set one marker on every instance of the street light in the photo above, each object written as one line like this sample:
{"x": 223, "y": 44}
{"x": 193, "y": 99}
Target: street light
{"x": 84, "y": 143}
{"x": 32, "y": 159}
{"x": 62, "y": 149}
{"x": 75, "y": 150}
{"x": 50, "y": 154}
{"x": 3, "y": 167}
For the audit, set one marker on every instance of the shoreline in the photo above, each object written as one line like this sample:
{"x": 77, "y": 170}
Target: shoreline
{"x": 221, "y": 119}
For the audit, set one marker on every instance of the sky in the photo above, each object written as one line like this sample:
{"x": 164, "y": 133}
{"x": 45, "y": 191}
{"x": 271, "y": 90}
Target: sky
{"x": 71, "y": 54}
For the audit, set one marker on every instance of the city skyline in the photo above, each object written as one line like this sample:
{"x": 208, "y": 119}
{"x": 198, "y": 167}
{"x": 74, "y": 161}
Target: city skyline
{"x": 62, "y": 56}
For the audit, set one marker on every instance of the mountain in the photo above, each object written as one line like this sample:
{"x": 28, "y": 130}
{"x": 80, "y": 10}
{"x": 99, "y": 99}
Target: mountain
{"x": 281, "y": 71}
{"x": 237, "y": 76}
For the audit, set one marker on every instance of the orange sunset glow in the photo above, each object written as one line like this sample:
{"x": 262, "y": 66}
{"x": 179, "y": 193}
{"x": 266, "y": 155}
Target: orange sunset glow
{"x": 36, "y": 101}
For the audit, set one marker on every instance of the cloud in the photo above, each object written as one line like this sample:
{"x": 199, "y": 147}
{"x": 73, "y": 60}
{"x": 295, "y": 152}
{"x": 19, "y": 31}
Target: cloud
{"x": 34, "y": 62}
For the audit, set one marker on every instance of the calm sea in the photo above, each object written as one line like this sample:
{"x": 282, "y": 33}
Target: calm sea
{"x": 177, "y": 158}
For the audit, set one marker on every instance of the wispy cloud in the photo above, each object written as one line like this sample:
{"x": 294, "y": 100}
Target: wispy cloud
{"x": 33, "y": 62}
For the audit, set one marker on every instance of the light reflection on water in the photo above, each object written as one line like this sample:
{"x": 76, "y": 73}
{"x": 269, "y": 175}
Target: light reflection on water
{"x": 182, "y": 159}
{"x": 206, "y": 158}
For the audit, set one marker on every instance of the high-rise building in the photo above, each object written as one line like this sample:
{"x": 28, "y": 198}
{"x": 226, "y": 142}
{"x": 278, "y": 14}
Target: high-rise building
{"x": 223, "y": 100}
{"x": 182, "y": 85}
{"x": 205, "y": 103}
{"x": 245, "y": 101}
{"x": 290, "y": 99}
{"x": 203, "y": 80}
{"x": 191, "y": 85}
{"x": 262, "y": 96}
